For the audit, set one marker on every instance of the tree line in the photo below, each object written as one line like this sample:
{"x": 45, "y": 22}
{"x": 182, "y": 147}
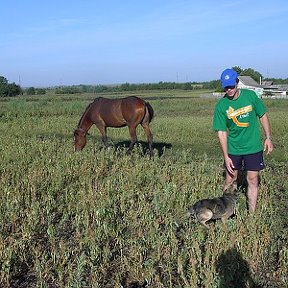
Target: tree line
{"x": 11, "y": 89}
{"x": 8, "y": 89}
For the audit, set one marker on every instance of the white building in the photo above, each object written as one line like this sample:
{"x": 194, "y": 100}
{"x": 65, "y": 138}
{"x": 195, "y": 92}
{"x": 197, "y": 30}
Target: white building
{"x": 248, "y": 82}
{"x": 267, "y": 89}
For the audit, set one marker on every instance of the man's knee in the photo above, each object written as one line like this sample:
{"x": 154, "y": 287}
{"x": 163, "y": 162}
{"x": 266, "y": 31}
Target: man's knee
{"x": 253, "y": 178}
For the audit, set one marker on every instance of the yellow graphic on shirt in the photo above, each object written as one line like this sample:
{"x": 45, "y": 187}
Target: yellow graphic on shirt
{"x": 242, "y": 112}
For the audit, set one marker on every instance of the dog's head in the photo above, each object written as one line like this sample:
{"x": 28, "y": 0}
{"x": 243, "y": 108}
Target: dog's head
{"x": 232, "y": 189}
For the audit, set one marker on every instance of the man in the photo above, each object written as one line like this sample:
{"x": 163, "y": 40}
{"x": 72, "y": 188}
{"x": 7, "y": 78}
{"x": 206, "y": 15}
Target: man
{"x": 236, "y": 122}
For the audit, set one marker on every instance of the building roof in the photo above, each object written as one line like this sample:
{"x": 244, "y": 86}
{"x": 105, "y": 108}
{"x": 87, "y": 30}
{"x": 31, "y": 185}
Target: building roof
{"x": 267, "y": 83}
{"x": 248, "y": 81}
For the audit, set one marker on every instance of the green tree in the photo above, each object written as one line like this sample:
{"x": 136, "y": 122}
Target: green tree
{"x": 13, "y": 90}
{"x": 252, "y": 73}
{"x": 125, "y": 87}
{"x": 238, "y": 69}
{"x": 187, "y": 86}
{"x": 3, "y": 81}
{"x": 30, "y": 91}
{"x": 8, "y": 89}
{"x": 40, "y": 91}
{"x": 248, "y": 72}
{"x": 3, "y": 91}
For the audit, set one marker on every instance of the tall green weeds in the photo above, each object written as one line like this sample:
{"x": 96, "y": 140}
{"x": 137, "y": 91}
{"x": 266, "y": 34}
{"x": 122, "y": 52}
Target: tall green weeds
{"x": 102, "y": 218}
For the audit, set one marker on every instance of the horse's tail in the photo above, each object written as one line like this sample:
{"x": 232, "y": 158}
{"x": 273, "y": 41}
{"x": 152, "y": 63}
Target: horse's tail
{"x": 150, "y": 111}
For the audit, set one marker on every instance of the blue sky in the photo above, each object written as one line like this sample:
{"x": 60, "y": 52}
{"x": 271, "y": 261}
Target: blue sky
{"x": 48, "y": 43}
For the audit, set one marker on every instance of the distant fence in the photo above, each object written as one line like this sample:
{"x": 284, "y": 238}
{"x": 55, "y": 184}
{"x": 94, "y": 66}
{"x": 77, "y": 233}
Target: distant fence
{"x": 275, "y": 94}
{"x": 267, "y": 96}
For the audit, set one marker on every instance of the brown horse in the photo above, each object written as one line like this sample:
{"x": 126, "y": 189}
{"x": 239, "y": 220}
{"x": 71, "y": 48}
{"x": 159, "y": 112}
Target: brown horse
{"x": 130, "y": 111}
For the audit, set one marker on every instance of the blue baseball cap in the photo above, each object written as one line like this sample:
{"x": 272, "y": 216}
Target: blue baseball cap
{"x": 228, "y": 78}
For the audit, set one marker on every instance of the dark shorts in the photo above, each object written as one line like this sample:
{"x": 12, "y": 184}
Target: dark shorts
{"x": 250, "y": 162}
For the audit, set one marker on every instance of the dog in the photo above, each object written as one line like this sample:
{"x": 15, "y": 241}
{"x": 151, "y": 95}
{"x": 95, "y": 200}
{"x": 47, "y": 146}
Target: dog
{"x": 217, "y": 208}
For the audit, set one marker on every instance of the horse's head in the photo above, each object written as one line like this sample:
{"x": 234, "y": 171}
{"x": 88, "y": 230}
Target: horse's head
{"x": 79, "y": 139}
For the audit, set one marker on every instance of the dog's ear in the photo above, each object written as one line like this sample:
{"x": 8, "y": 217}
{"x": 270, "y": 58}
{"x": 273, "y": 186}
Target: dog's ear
{"x": 232, "y": 188}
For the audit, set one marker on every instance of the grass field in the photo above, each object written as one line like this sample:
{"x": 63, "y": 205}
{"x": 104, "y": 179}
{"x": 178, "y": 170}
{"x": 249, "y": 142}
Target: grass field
{"x": 101, "y": 218}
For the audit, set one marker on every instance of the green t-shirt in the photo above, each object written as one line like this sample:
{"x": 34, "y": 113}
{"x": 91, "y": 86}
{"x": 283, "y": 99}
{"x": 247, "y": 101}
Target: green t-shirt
{"x": 240, "y": 118}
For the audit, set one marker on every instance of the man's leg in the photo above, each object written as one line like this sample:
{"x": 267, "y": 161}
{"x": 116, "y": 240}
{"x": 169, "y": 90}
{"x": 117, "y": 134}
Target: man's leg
{"x": 229, "y": 179}
{"x": 252, "y": 190}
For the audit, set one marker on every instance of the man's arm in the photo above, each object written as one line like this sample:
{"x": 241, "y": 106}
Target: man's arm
{"x": 222, "y": 135}
{"x": 268, "y": 145}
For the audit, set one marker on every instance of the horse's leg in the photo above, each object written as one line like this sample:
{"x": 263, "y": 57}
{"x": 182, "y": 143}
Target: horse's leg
{"x": 133, "y": 136}
{"x": 103, "y": 132}
{"x": 149, "y": 137}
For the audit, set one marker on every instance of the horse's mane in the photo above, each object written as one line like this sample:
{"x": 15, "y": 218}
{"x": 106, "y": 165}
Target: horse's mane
{"x": 86, "y": 110}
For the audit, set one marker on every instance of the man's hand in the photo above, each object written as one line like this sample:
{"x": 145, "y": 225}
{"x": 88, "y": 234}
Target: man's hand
{"x": 229, "y": 165}
{"x": 268, "y": 146}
